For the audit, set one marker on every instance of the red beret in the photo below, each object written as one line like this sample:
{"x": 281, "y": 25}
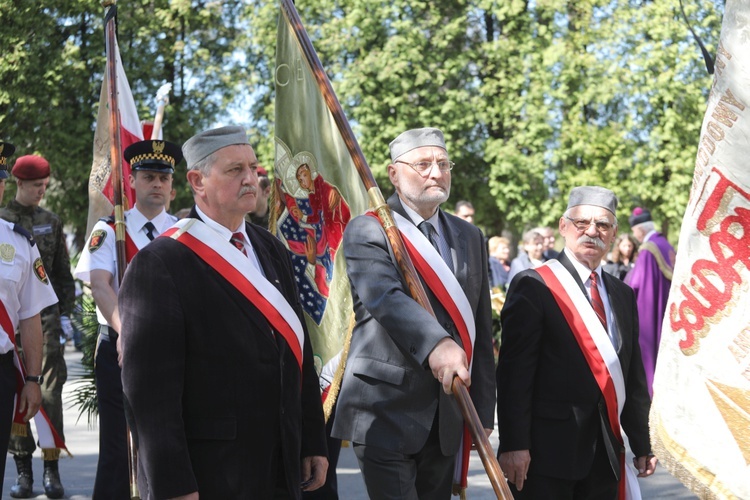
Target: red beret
{"x": 30, "y": 167}
{"x": 262, "y": 172}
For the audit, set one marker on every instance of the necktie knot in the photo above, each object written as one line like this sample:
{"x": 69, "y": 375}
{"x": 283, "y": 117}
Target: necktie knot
{"x": 426, "y": 229}
{"x": 150, "y": 228}
{"x": 238, "y": 240}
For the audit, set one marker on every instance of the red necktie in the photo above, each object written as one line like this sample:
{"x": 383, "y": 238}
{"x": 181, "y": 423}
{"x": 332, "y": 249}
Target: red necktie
{"x": 238, "y": 240}
{"x": 596, "y": 300}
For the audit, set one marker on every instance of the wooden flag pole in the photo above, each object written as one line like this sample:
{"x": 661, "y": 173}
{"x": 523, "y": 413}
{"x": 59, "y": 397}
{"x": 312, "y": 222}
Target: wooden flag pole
{"x": 378, "y": 203}
{"x": 116, "y": 177}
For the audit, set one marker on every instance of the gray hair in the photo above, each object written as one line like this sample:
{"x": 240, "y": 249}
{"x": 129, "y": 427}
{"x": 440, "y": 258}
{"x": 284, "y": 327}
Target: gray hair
{"x": 647, "y": 226}
{"x": 204, "y": 165}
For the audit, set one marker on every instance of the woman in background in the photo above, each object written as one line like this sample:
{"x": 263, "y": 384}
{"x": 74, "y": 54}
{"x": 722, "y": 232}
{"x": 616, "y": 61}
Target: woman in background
{"x": 499, "y": 248}
{"x": 624, "y": 251}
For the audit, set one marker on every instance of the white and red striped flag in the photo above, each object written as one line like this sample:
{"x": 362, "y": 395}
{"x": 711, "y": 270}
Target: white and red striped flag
{"x": 100, "y": 188}
{"x": 700, "y": 416}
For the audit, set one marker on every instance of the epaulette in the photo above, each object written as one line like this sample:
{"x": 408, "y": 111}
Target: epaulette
{"x": 108, "y": 220}
{"x": 23, "y": 232}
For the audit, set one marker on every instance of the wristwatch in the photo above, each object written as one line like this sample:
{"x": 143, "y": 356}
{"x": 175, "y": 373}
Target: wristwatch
{"x": 35, "y": 378}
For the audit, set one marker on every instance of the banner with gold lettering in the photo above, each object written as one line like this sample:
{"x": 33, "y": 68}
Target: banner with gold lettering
{"x": 316, "y": 192}
{"x": 700, "y": 417}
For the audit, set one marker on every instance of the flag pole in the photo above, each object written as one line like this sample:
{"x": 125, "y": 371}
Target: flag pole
{"x": 377, "y": 201}
{"x": 117, "y": 189}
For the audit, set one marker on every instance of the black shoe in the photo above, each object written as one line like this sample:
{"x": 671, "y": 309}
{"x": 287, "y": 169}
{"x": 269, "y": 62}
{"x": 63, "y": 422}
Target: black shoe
{"x": 53, "y": 488}
{"x": 25, "y": 481}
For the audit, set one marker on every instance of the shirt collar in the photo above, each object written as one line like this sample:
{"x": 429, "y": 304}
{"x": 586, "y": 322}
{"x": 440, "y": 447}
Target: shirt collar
{"x": 649, "y": 235}
{"x": 222, "y": 230}
{"x": 583, "y": 272}
{"x": 417, "y": 219}
{"x": 136, "y": 219}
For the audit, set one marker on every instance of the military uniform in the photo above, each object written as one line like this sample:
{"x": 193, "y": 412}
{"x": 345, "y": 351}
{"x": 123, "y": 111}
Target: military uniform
{"x": 47, "y": 230}
{"x": 23, "y": 294}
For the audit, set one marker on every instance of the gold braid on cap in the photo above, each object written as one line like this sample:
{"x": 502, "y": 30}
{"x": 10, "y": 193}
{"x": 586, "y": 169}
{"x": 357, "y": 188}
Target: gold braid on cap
{"x": 152, "y": 156}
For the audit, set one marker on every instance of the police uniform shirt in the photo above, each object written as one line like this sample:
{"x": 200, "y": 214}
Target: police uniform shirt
{"x": 25, "y": 288}
{"x": 100, "y": 251}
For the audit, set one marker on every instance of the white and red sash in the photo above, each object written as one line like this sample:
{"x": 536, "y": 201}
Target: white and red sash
{"x": 443, "y": 284}
{"x": 48, "y": 437}
{"x": 600, "y": 355}
{"x": 237, "y": 269}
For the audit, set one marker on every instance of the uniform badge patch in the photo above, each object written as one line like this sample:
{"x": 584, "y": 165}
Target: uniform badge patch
{"x": 7, "y": 252}
{"x": 39, "y": 271}
{"x": 97, "y": 240}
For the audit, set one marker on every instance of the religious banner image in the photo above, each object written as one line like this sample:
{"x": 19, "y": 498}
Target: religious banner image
{"x": 316, "y": 191}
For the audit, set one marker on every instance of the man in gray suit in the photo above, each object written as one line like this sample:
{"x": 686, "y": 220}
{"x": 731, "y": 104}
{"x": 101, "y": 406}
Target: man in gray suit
{"x": 395, "y": 403}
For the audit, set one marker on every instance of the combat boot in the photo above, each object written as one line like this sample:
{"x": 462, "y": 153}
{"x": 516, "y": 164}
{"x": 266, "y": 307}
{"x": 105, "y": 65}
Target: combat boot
{"x": 53, "y": 488}
{"x": 25, "y": 481}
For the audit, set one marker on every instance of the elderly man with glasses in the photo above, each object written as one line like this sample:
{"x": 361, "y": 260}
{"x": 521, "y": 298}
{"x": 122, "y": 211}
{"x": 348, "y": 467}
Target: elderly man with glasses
{"x": 395, "y": 403}
{"x": 570, "y": 374}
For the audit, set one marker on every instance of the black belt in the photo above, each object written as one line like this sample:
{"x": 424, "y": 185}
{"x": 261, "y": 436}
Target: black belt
{"x": 107, "y": 333}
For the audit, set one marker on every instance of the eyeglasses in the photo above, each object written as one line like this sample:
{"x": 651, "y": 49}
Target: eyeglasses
{"x": 424, "y": 167}
{"x": 583, "y": 224}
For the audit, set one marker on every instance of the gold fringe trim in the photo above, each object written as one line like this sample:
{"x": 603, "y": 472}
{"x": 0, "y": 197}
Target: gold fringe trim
{"x": 273, "y": 200}
{"x": 459, "y": 492}
{"x": 333, "y": 391}
{"x": 19, "y": 429}
{"x": 684, "y": 467}
{"x": 50, "y": 454}
{"x": 664, "y": 267}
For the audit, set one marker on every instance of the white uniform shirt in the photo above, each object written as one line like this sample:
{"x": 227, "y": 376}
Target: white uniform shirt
{"x": 103, "y": 254}
{"x": 25, "y": 288}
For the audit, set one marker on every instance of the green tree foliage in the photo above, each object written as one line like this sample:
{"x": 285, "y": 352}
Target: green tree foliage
{"x": 535, "y": 97}
{"x": 52, "y": 67}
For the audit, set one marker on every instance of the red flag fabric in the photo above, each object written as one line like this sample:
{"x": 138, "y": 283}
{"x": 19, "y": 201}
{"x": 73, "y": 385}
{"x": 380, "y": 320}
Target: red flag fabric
{"x": 100, "y": 186}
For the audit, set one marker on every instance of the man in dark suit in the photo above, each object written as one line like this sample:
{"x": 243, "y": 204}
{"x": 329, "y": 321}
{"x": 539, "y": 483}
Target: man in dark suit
{"x": 217, "y": 364}
{"x": 570, "y": 371}
{"x": 395, "y": 403}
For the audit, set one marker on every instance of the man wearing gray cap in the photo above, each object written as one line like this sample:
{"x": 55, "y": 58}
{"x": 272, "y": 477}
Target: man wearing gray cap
{"x": 570, "y": 374}
{"x": 217, "y": 364}
{"x": 395, "y": 403}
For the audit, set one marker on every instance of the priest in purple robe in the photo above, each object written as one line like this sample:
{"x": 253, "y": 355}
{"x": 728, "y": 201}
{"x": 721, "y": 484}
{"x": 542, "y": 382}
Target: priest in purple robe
{"x": 651, "y": 279}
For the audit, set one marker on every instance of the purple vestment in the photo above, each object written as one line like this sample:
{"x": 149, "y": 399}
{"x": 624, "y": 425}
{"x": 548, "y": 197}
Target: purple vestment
{"x": 651, "y": 278}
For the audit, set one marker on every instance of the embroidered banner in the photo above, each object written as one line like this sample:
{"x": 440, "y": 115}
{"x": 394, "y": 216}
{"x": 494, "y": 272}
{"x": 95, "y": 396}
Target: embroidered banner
{"x": 317, "y": 191}
{"x": 700, "y": 416}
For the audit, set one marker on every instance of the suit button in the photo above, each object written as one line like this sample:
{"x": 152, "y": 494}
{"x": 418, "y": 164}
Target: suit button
{"x": 448, "y": 325}
{"x": 412, "y": 349}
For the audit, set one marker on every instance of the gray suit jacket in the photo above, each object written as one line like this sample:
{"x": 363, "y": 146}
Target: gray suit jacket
{"x": 389, "y": 397}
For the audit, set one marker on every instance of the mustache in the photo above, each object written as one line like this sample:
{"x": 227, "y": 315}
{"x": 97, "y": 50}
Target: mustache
{"x": 588, "y": 239}
{"x": 248, "y": 189}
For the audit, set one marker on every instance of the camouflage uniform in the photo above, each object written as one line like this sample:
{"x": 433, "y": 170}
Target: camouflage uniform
{"x": 47, "y": 230}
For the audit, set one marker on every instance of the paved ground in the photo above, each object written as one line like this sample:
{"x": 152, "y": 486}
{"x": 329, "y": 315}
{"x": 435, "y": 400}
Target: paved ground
{"x": 78, "y": 473}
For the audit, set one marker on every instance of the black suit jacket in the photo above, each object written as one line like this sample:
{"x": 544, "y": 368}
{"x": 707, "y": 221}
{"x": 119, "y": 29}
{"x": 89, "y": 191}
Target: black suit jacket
{"x": 548, "y": 399}
{"x": 389, "y": 396}
{"x": 218, "y": 400}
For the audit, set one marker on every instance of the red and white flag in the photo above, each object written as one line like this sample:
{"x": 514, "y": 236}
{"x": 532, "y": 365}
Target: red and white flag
{"x": 100, "y": 187}
{"x": 700, "y": 416}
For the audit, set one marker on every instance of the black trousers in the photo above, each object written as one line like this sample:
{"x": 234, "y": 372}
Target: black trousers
{"x": 7, "y": 395}
{"x": 599, "y": 484}
{"x": 112, "y": 480}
